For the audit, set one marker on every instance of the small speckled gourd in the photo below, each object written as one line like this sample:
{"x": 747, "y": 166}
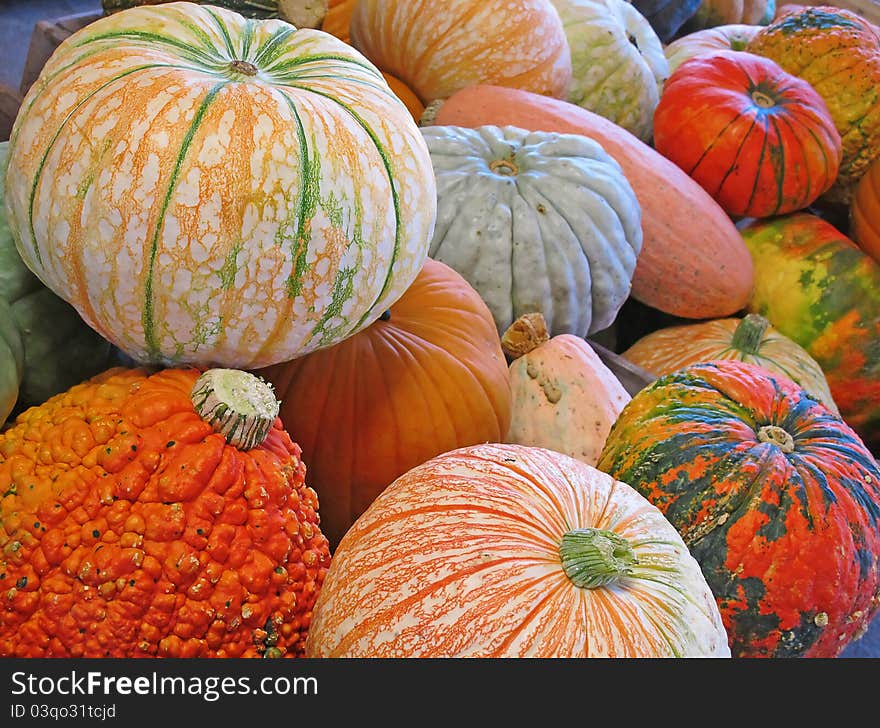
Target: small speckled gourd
{"x": 157, "y": 514}
{"x": 563, "y": 397}
{"x": 617, "y": 60}
{"x": 535, "y": 222}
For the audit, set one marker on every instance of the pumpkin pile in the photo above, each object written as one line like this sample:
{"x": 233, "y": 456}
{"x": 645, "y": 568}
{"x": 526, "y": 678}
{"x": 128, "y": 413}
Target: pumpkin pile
{"x": 545, "y": 328}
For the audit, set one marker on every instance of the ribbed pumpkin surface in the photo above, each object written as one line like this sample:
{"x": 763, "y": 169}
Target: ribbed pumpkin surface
{"x": 816, "y": 287}
{"x": 618, "y": 65}
{"x": 865, "y": 212}
{"x": 787, "y": 538}
{"x": 439, "y": 46}
{"x": 750, "y": 340}
{"x": 194, "y": 212}
{"x": 428, "y": 378}
{"x": 535, "y": 222}
{"x": 460, "y": 557}
{"x": 731, "y": 37}
{"x": 837, "y": 52}
{"x": 129, "y": 528}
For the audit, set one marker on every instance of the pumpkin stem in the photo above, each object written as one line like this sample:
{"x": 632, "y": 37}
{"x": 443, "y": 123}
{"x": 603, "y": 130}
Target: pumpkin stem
{"x": 244, "y": 67}
{"x": 528, "y": 332}
{"x": 592, "y": 557}
{"x": 504, "y": 167}
{"x": 776, "y": 436}
{"x": 762, "y": 100}
{"x": 430, "y": 112}
{"x": 239, "y": 405}
{"x": 750, "y": 333}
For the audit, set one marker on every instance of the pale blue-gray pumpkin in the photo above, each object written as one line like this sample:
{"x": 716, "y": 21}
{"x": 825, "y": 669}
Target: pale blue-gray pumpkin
{"x": 535, "y": 222}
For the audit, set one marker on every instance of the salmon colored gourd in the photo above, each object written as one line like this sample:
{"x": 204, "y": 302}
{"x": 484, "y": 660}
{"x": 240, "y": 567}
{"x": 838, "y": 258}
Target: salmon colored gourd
{"x": 512, "y": 551}
{"x": 776, "y": 497}
{"x": 750, "y": 339}
{"x": 142, "y": 516}
{"x": 865, "y": 212}
{"x": 758, "y": 139}
{"x": 258, "y": 191}
{"x": 693, "y": 262}
{"x": 732, "y": 37}
{"x": 427, "y": 377}
{"x": 837, "y": 52}
{"x": 439, "y": 46}
{"x": 563, "y": 397}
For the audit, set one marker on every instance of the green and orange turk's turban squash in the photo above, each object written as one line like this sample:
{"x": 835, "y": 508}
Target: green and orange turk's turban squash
{"x": 131, "y": 525}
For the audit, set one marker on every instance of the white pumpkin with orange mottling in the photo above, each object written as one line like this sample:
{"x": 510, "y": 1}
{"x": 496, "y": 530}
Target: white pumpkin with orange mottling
{"x": 475, "y": 554}
{"x": 437, "y": 47}
{"x": 219, "y": 191}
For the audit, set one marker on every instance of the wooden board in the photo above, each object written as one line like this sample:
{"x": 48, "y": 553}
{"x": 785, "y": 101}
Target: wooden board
{"x": 632, "y": 377}
{"x": 10, "y": 102}
{"x": 46, "y": 37}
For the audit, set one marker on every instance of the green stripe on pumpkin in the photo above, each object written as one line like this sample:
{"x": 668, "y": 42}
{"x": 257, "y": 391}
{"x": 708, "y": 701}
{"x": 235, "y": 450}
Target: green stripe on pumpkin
{"x": 224, "y": 31}
{"x": 151, "y": 39}
{"x": 147, "y": 314}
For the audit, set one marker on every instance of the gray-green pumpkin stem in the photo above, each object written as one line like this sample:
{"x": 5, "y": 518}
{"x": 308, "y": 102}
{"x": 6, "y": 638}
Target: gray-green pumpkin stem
{"x": 592, "y": 557}
{"x": 749, "y": 334}
{"x": 239, "y": 405}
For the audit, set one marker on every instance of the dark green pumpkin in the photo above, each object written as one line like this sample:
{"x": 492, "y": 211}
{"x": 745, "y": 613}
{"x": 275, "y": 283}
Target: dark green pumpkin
{"x": 776, "y": 497}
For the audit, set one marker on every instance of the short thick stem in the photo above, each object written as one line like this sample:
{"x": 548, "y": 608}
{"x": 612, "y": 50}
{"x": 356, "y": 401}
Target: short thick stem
{"x": 592, "y": 557}
{"x": 749, "y": 334}
{"x": 775, "y": 435}
{"x": 525, "y": 334}
{"x": 504, "y": 167}
{"x": 244, "y": 67}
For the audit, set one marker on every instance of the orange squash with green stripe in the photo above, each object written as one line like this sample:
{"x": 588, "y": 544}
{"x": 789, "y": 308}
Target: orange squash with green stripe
{"x": 819, "y": 289}
{"x": 776, "y": 497}
{"x": 206, "y": 188}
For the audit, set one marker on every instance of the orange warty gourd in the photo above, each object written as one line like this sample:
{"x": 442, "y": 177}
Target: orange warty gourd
{"x": 865, "y": 212}
{"x": 133, "y": 526}
{"x": 512, "y": 551}
{"x": 439, "y": 46}
{"x": 427, "y": 377}
{"x": 693, "y": 262}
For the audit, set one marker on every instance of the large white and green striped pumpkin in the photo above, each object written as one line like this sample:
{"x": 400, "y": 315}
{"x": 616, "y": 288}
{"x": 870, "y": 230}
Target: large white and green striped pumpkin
{"x": 617, "y": 59}
{"x": 535, "y": 222}
{"x": 214, "y": 190}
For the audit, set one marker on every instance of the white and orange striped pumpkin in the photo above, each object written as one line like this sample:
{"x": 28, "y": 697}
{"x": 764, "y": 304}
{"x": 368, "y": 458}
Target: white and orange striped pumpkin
{"x": 214, "y": 190}
{"x": 513, "y": 551}
{"x": 437, "y": 47}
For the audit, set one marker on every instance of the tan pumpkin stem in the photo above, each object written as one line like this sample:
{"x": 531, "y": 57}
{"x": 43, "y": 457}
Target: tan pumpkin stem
{"x": 749, "y": 334}
{"x": 244, "y": 67}
{"x": 525, "y": 334}
{"x": 762, "y": 100}
{"x": 592, "y": 557}
{"x": 776, "y": 436}
{"x": 239, "y": 405}
{"x": 430, "y": 112}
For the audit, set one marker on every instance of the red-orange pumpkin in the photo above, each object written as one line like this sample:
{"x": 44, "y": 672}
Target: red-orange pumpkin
{"x": 759, "y": 140}
{"x": 693, "y": 262}
{"x": 427, "y": 377}
{"x": 865, "y": 212}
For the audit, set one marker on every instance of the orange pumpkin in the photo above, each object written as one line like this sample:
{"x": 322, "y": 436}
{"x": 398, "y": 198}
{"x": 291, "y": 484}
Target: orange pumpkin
{"x": 427, "y": 377}
{"x": 513, "y": 551}
{"x": 439, "y": 46}
{"x": 865, "y": 212}
{"x": 142, "y": 516}
{"x": 337, "y": 18}
{"x": 405, "y": 94}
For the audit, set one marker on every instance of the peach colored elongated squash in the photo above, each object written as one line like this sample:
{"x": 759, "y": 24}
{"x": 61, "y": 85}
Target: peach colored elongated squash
{"x": 563, "y": 397}
{"x": 512, "y": 551}
{"x": 693, "y": 261}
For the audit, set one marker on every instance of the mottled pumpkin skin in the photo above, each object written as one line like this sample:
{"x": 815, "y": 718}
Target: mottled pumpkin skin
{"x": 129, "y": 528}
{"x": 837, "y": 52}
{"x": 430, "y": 378}
{"x": 788, "y": 542}
{"x": 439, "y": 46}
{"x": 258, "y": 192}
{"x": 759, "y": 140}
{"x": 460, "y": 557}
{"x": 819, "y": 289}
